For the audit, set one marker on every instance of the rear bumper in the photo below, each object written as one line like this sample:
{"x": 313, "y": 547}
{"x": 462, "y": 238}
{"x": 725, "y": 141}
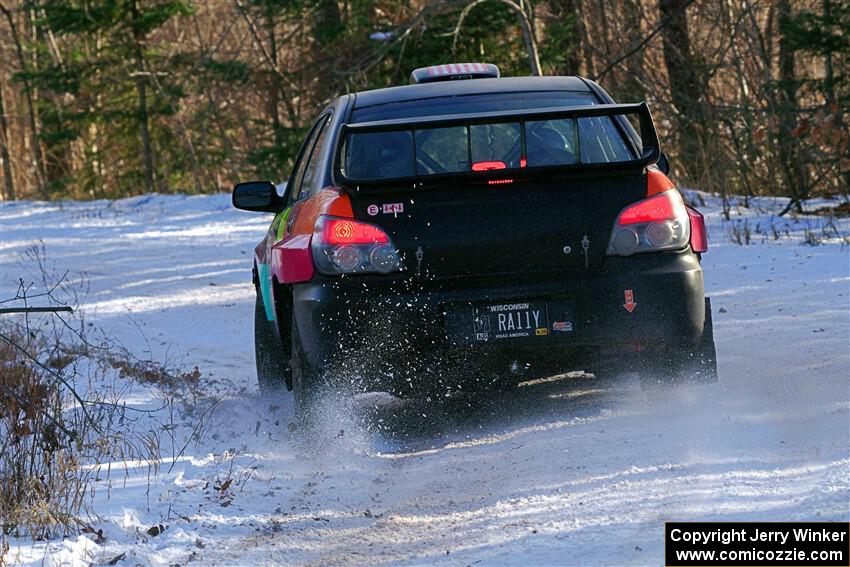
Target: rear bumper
{"x": 381, "y": 322}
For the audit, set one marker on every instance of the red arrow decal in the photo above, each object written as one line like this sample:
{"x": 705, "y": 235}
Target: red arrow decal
{"x": 629, "y": 304}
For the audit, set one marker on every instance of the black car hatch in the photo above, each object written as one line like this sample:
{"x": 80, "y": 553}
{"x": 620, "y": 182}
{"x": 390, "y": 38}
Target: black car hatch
{"x": 502, "y": 226}
{"x": 501, "y": 192}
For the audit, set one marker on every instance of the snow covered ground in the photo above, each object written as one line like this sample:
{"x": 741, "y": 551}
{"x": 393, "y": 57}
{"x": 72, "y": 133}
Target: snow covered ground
{"x": 577, "y": 470}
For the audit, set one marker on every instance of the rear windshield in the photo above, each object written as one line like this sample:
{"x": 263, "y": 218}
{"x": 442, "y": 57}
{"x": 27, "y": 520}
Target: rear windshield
{"x": 480, "y": 147}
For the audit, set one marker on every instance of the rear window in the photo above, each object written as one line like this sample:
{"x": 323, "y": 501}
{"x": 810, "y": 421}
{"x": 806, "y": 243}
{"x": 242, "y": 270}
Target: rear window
{"x": 418, "y": 151}
{"x": 503, "y": 145}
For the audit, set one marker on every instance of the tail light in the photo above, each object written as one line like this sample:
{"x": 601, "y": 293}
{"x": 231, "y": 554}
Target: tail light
{"x": 699, "y": 235}
{"x": 660, "y": 222}
{"x": 488, "y": 165}
{"x": 346, "y": 246}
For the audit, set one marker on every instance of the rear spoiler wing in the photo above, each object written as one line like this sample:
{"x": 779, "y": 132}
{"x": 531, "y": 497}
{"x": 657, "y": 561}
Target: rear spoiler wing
{"x": 649, "y": 149}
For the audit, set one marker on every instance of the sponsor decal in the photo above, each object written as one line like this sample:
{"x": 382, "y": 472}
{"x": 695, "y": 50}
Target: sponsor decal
{"x": 482, "y": 328}
{"x": 386, "y": 208}
{"x": 393, "y": 208}
{"x": 562, "y": 326}
{"x": 629, "y": 300}
{"x": 264, "y": 275}
{"x": 283, "y": 225}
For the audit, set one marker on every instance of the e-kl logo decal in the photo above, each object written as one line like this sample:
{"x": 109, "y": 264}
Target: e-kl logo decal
{"x": 629, "y": 300}
{"x": 386, "y": 208}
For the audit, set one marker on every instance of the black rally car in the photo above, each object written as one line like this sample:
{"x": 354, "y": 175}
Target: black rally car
{"x": 468, "y": 225}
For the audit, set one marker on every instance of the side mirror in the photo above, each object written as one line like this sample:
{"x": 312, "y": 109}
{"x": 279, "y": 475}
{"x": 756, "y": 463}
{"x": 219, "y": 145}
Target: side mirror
{"x": 663, "y": 164}
{"x": 256, "y": 196}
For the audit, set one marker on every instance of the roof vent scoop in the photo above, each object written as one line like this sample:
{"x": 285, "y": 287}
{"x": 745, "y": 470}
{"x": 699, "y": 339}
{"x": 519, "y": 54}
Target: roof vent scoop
{"x": 454, "y": 72}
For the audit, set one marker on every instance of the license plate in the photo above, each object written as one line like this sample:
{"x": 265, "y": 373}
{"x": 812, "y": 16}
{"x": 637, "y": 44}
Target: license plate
{"x": 510, "y": 320}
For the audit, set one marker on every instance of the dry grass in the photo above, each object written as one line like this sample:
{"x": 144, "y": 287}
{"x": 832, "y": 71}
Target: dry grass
{"x": 53, "y": 438}
{"x": 42, "y": 486}
{"x": 56, "y": 442}
{"x": 63, "y": 420}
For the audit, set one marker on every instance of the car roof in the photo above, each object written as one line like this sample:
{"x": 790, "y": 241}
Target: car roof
{"x": 467, "y": 87}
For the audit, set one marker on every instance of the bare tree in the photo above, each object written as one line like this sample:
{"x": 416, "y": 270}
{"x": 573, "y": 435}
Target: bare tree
{"x": 141, "y": 76}
{"x": 8, "y": 180}
{"x": 35, "y": 142}
{"x": 794, "y": 170}
{"x": 684, "y": 82}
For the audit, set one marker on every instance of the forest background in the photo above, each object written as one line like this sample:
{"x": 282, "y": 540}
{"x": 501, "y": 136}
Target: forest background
{"x": 111, "y": 98}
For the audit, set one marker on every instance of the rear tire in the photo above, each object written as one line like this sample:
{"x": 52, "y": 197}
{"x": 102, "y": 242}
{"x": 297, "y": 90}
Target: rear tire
{"x": 697, "y": 364}
{"x": 271, "y": 367}
{"x": 305, "y": 379}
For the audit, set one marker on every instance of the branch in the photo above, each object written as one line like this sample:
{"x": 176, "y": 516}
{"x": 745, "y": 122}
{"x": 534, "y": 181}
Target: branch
{"x": 6, "y": 310}
{"x": 640, "y": 45}
{"x": 524, "y": 22}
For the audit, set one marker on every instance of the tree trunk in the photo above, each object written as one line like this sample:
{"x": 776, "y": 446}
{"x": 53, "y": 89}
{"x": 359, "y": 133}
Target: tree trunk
{"x": 789, "y": 142}
{"x": 142, "y": 109}
{"x": 327, "y": 29}
{"x": 632, "y": 85}
{"x": 584, "y": 39}
{"x": 684, "y": 84}
{"x": 831, "y": 99}
{"x": 8, "y": 181}
{"x": 144, "y": 131}
{"x": 528, "y": 37}
{"x": 276, "y": 85}
{"x": 745, "y": 147}
{"x": 57, "y": 153}
{"x": 35, "y": 141}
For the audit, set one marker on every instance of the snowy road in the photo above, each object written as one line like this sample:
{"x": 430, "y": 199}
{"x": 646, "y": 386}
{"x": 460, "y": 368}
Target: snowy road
{"x": 577, "y": 470}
